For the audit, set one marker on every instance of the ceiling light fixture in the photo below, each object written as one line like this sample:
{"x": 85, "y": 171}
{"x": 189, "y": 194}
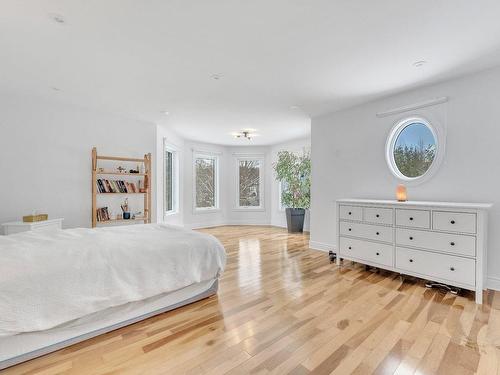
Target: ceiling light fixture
{"x": 420, "y": 63}
{"x": 57, "y": 18}
{"x": 246, "y": 134}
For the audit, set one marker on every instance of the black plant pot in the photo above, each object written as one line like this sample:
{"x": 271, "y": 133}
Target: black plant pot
{"x": 295, "y": 219}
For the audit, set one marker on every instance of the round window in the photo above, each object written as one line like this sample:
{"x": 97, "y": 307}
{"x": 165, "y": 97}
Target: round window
{"x": 412, "y": 148}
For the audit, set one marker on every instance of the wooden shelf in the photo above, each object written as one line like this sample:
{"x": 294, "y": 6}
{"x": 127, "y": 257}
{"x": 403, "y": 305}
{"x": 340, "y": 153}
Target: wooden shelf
{"x": 120, "y": 220}
{"x": 146, "y": 179}
{"x": 122, "y": 174}
{"x": 118, "y": 193}
{"x": 117, "y": 158}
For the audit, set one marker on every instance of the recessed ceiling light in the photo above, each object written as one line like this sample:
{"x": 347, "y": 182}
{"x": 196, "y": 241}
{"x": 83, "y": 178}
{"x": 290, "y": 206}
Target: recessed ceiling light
{"x": 57, "y": 18}
{"x": 294, "y": 107}
{"x": 420, "y": 63}
{"x": 216, "y": 76}
{"x": 165, "y": 112}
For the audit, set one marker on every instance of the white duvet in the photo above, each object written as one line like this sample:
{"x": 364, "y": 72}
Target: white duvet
{"x": 47, "y": 279}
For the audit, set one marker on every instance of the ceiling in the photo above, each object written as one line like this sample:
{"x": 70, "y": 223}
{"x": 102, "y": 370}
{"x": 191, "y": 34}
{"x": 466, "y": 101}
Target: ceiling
{"x": 278, "y": 62}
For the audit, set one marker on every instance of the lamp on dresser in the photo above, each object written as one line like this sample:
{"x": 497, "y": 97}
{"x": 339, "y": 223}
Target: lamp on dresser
{"x": 439, "y": 241}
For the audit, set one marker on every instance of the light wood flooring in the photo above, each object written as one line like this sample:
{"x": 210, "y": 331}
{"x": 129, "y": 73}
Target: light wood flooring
{"x": 284, "y": 309}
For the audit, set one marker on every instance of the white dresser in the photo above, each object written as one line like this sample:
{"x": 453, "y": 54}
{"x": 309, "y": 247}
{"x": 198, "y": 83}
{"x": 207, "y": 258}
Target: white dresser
{"x": 19, "y": 226}
{"x": 438, "y": 241}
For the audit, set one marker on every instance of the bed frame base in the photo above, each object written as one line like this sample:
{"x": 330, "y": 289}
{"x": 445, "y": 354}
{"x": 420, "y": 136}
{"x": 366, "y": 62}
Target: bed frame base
{"x": 63, "y": 344}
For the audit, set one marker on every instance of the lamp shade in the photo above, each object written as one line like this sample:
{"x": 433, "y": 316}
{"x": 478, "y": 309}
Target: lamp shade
{"x": 401, "y": 193}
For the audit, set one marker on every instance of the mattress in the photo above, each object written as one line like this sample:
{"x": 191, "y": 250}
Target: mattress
{"x": 22, "y": 347}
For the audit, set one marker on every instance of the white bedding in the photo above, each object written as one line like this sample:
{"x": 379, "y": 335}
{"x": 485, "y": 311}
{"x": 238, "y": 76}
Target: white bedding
{"x": 48, "y": 279}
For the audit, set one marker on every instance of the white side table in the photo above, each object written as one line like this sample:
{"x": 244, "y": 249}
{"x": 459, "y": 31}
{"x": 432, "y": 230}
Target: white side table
{"x": 19, "y": 226}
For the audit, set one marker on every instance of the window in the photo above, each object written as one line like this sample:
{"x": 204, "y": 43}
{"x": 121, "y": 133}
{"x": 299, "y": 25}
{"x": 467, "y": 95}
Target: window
{"x": 171, "y": 179}
{"x": 206, "y": 182}
{"x": 250, "y": 183}
{"x": 412, "y": 148}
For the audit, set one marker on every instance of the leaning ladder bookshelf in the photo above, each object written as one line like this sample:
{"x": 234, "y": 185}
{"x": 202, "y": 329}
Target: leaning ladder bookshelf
{"x": 146, "y": 176}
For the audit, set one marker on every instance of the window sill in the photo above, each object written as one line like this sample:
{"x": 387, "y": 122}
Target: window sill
{"x": 170, "y": 213}
{"x": 206, "y": 210}
{"x": 251, "y": 209}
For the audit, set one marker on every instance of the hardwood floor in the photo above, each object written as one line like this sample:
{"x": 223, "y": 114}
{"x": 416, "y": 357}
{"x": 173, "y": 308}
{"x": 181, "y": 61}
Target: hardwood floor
{"x": 284, "y": 309}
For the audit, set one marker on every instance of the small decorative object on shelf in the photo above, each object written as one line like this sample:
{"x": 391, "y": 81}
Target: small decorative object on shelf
{"x": 134, "y": 181}
{"x": 401, "y": 193}
{"x": 134, "y": 171}
{"x": 34, "y": 218}
{"x": 125, "y": 210}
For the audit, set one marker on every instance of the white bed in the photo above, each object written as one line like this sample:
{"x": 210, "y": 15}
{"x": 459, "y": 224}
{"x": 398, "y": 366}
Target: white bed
{"x": 66, "y": 286}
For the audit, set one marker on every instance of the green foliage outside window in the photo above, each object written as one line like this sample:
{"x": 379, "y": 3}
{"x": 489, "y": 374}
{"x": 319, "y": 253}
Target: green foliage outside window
{"x": 414, "y": 160}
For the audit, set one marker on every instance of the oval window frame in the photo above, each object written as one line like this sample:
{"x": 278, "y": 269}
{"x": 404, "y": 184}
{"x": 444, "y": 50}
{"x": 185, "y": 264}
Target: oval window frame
{"x": 392, "y": 139}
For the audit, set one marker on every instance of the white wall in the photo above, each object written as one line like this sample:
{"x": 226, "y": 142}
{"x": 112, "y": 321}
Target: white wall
{"x": 278, "y": 217}
{"x": 45, "y": 156}
{"x": 348, "y": 158}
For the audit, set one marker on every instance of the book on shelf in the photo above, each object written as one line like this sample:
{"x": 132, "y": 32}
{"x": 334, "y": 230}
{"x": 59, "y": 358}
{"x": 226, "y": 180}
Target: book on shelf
{"x": 103, "y": 214}
{"x": 115, "y": 186}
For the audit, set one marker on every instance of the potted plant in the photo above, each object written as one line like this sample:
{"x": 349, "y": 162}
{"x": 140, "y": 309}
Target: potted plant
{"x": 294, "y": 172}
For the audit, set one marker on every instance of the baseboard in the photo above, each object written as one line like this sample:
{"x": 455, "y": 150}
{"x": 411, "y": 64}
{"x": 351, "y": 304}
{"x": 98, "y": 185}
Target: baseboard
{"x": 321, "y": 246}
{"x": 493, "y": 283}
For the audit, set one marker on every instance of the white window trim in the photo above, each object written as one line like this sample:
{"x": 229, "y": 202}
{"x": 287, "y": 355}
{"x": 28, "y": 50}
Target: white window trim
{"x": 207, "y": 155}
{"x": 176, "y": 178}
{"x": 439, "y": 136}
{"x": 261, "y": 160}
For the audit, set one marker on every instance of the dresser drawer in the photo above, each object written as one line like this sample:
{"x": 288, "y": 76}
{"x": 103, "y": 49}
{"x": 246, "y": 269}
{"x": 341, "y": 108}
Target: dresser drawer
{"x": 351, "y": 213}
{"x": 454, "y": 221}
{"x": 432, "y": 265}
{"x": 367, "y": 231}
{"x": 413, "y": 218}
{"x": 365, "y": 250}
{"x": 378, "y": 215}
{"x": 451, "y": 243}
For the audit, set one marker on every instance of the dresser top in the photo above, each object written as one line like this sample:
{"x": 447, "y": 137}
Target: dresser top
{"x": 480, "y": 206}
{"x": 34, "y": 223}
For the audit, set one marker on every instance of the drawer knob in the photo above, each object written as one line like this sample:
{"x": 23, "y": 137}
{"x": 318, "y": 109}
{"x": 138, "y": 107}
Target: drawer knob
{"x": 378, "y": 233}
{"x": 411, "y": 260}
{"x": 411, "y": 238}
{"x": 378, "y": 253}
{"x": 350, "y": 229}
{"x": 350, "y": 247}
{"x": 453, "y": 221}
{"x": 452, "y": 268}
{"x": 350, "y": 213}
{"x": 377, "y": 215}
{"x": 452, "y": 243}
{"x": 411, "y": 219}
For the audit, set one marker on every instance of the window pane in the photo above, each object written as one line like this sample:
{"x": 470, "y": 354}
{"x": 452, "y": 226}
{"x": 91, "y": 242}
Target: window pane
{"x": 414, "y": 150}
{"x": 249, "y": 184}
{"x": 205, "y": 182}
{"x": 169, "y": 183}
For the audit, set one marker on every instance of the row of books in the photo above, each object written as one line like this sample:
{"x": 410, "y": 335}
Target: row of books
{"x": 115, "y": 186}
{"x": 103, "y": 214}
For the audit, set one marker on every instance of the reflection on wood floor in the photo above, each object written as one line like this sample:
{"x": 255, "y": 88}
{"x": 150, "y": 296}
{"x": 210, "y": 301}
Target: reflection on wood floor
{"x": 283, "y": 308}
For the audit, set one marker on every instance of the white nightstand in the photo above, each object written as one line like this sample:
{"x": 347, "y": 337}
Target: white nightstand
{"x": 19, "y": 226}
